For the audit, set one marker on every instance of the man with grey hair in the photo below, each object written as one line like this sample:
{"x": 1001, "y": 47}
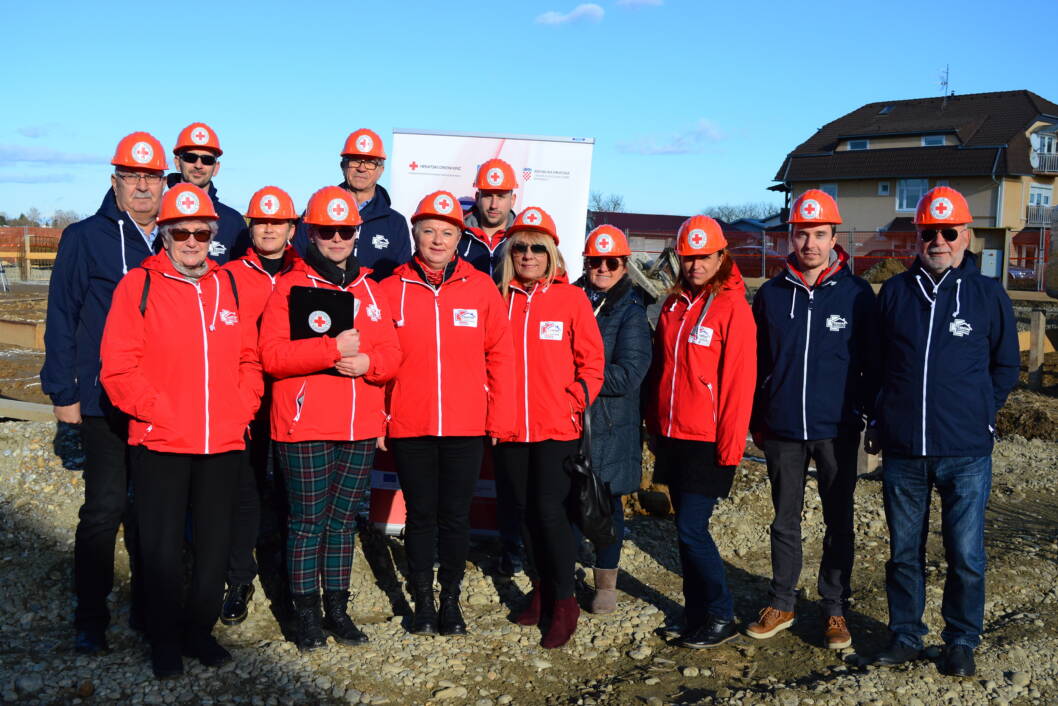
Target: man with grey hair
{"x": 94, "y": 254}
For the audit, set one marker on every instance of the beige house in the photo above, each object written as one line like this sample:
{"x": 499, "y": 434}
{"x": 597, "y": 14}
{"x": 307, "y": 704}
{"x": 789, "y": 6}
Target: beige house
{"x": 999, "y": 149}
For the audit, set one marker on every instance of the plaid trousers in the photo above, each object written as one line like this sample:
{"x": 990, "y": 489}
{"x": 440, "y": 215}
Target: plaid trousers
{"x": 325, "y": 480}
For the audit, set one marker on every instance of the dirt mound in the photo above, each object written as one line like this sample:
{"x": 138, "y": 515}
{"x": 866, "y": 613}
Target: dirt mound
{"x": 1029, "y": 414}
{"x": 881, "y": 271}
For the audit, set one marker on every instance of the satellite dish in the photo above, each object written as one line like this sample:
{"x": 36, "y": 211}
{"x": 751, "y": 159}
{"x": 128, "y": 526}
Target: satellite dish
{"x": 1034, "y": 140}
{"x": 1034, "y": 158}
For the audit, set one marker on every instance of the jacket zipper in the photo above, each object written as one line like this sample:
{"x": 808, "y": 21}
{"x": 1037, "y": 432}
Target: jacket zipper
{"x": 676, "y": 365}
{"x": 437, "y": 337}
{"x": 525, "y": 359}
{"x": 205, "y": 354}
{"x": 925, "y": 358}
{"x": 712, "y": 400}
{"x": 299, "y": 405}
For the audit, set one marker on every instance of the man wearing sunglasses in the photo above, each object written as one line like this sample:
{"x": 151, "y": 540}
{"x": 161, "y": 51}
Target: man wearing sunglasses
{"x": 384, "y": 240}
{"x": 197, "y": 154}
{"x": 816, "y": 327}
{"x": 949, "y": 359}
{"x": 492, "y": 213}
{"x": 94, "y": 254}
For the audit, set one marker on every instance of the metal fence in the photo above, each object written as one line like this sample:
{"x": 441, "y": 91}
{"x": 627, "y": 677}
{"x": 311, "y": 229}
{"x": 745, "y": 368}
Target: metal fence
{"x": 28, "y": 253}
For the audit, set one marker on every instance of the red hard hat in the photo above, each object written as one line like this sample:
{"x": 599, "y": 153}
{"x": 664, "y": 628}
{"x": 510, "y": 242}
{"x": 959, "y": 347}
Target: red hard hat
{"x": 332, "y": 206}
{"x": 198, "y": 136}
{"x": 364, "y": 143}
{"x": 495, "y": 175}
{"x": 440, "y": 204}
{"x": 815, "y": 208}
{"x": 536, "y": 219}
{"x": 273, "y": 203}
{"x": 140, "y": 150}
{"x": 606, "y": 241}
{"x": 185, "y": 202}
{"x": 942, "y": 206}
{"x": 700, "y": 235}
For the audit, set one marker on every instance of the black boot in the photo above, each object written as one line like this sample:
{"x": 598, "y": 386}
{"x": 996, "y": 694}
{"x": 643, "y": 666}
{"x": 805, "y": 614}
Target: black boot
{"x": 424, "y": 619}
{"x": 310, "y": 631}
{"x": 336, "y": 620}
{"x": 236, "y": 603}
{"x": 451, "y": 620}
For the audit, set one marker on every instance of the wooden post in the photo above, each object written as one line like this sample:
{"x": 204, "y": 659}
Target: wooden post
{"x": 25, "y": 264}
{"x": 1037, "y": 337}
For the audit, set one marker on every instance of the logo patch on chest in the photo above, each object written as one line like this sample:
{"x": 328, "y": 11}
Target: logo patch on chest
{"x": 216, "y": 248}
{"x": 960, "y": 328}
{"x": 380, "y": 242}
{"x": 551, "y": 330}
{"x": 465, "y": 317}
{"x": 836, "y": 322}
{"x": 373, "y": 312}
{"x": 701, "y": 336}
{"x": 229, "y": 317}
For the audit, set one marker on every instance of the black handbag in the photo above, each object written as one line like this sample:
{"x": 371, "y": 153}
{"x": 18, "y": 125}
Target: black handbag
{"x": 594, "y": 501}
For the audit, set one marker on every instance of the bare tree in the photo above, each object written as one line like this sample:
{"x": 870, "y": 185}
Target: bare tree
{"x": 612, "y": 202}
{"x": 728, "y": 212}
{"x": 61, "y": 218}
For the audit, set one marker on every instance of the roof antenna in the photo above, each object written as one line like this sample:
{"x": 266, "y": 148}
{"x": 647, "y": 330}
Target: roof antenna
{"x": 944, "y": 87}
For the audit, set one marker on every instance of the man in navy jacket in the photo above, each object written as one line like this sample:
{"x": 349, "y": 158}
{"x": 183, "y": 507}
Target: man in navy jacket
{"x": 94, "y": 254}
{"x": 816, "y": 325}
{"x": 949, "y": 360}
{"x": 490, "y": 217}
{"x": 197, "y": 154}
{"x": 383, "y": 241}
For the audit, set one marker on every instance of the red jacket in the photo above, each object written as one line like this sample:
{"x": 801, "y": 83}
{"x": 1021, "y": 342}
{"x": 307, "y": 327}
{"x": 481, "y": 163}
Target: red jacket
{"x": 311, "y": 406}
{"x": 457, "y": 373}
{"x": 556, "y": 341}
{"x": 704, "y": 370}
{"x": 186, "y": 370}
{"x": 256, "y": 285}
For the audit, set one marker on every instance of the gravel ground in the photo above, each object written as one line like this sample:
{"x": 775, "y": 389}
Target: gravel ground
{"x": 615, "y": 660}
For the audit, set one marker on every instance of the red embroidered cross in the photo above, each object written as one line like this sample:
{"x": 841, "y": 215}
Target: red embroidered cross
{"x": 189, "y": 203}
{"x": 940, "y": 208}
{"x": 532, "y": 217}
{"x": 200, "y": 136}
{"x": 319, "y": 322}
{"x": 443, "y": 204}
{"x": 364, "y": 143}
{"x": 809, "y": 209}
{"x": 338, "y": 209}
{"x": 697, "y": 240}
{"x": 603, "y": 243}
{"x": 267, "y": 205}
{"x": 495, "y": 177}
{"x": 143, "y": 151}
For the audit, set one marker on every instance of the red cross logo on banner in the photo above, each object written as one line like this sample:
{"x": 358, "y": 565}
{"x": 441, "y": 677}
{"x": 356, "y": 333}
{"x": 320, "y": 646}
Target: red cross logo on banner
{"x": 810, "y": 208}
{"x": 200, "y": 136}
{"x": 532, "y": 217}
{"x": 364, "y": 143}
{"x": 337, "y": 209}
{"x": 187, "y": 204}
{"x": 696, "y": 238}
{"x": 413, "y": 166}
{"x": 941, "y": 208}
{"x": 142, "y": 152}
{"x": 442, "y": 204}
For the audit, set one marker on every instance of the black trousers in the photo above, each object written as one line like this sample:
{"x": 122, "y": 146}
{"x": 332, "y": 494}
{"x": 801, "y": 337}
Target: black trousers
{"x": 509, "y": 520}
{"x": 260, "y": 510}
{"x": 106, "y": 506}
{"x": 541, "y": 486}
{"x": 167, "y": 485}
{"x": 438, "y": 475}
{"x": 836, "y": 470}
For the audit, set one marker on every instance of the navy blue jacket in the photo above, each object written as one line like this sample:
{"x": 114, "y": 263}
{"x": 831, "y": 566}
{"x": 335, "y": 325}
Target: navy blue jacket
{"x": 616, "y": 442}
{"x": 384, "y": 241}
{"x": 816, "y": 353}
{"x": 233, "y": 236}
{"x": 94, "y": 254}
{"x": 473, "y": 247}
{"x": 949, "y": 359}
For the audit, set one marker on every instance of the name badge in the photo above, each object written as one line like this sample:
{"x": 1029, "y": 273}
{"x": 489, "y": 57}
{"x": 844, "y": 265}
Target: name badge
{"x": 551, "y": 330}
{"x": 701, "y": 336}
{"x": 465, "y": 317}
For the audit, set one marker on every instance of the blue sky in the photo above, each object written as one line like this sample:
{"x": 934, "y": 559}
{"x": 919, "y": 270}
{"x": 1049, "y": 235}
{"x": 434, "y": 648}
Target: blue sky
{"x": 690, "y": 103}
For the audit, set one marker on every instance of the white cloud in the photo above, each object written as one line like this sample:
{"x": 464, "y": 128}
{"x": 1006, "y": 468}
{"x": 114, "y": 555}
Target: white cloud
{"x": 689, "y": 141}
{"x": 587, "y": 12}
{"x": 23, "y": 178}
{"x": 45, "y": 155}
{"x": 639, "y": 3}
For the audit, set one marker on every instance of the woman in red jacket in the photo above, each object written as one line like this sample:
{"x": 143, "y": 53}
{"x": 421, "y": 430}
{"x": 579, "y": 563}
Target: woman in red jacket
{"x": 260, "y": 506}
{"x": 702, "y": 377}
{"x": 454, "y": 387}
{"x": 556, "y": 345}
{"x": 327, "y": 411}
{"x": 177, "y": 358}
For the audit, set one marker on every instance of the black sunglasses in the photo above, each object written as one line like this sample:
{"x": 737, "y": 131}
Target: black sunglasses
{"x": 344, "y": 232}
{"x": 521, "y": 248}
{"x": 612, "y": 263}
{"x": 930, "y": 234}
{"x": 206, "y": 159}
{"x": 179, "y": 235}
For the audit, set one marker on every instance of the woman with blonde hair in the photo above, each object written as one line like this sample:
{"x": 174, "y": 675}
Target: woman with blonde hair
{"x": 559, "y": 370}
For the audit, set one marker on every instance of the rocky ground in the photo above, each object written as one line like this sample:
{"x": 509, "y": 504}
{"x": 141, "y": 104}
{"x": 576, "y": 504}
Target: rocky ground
{"x": 614, "y": 660}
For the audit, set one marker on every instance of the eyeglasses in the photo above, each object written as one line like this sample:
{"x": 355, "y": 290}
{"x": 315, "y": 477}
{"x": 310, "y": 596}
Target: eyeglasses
{"x": 134, "y": 177}
{"x": 190, "y": 158}
{"x": 368, "y": 164}
{"x": 179, "y": 235}
{"x": 930, "y": 234}
{"x": 612, "y": 263}
{"x": 522, "y": 248}
{"x": 343, "y": 232}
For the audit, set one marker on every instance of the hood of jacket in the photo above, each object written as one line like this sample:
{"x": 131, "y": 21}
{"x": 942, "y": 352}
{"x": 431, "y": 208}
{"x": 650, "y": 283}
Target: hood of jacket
{"x": 837, "y": 267}
{"x": 378, "y": 207}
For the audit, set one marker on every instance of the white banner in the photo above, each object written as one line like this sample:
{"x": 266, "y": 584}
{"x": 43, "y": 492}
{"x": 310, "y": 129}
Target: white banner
{"x": 553, "y": 173}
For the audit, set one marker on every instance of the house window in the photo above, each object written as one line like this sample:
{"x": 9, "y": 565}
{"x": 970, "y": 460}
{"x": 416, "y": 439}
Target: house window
{"x": 830, "y": 190}
{"x": 1039, "y": 195}
{"x": 908, "y": 192}
{"x": 859, "y": 144}
{"x": 883, "y": 188}
{"x": 933, "y": 140}
{"x": 1047, "y": 144}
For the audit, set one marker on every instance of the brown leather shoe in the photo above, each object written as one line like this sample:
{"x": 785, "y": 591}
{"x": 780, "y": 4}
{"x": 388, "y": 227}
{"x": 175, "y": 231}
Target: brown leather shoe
{"x": 770, "y": 622}
{"x": 837, "y": 634}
